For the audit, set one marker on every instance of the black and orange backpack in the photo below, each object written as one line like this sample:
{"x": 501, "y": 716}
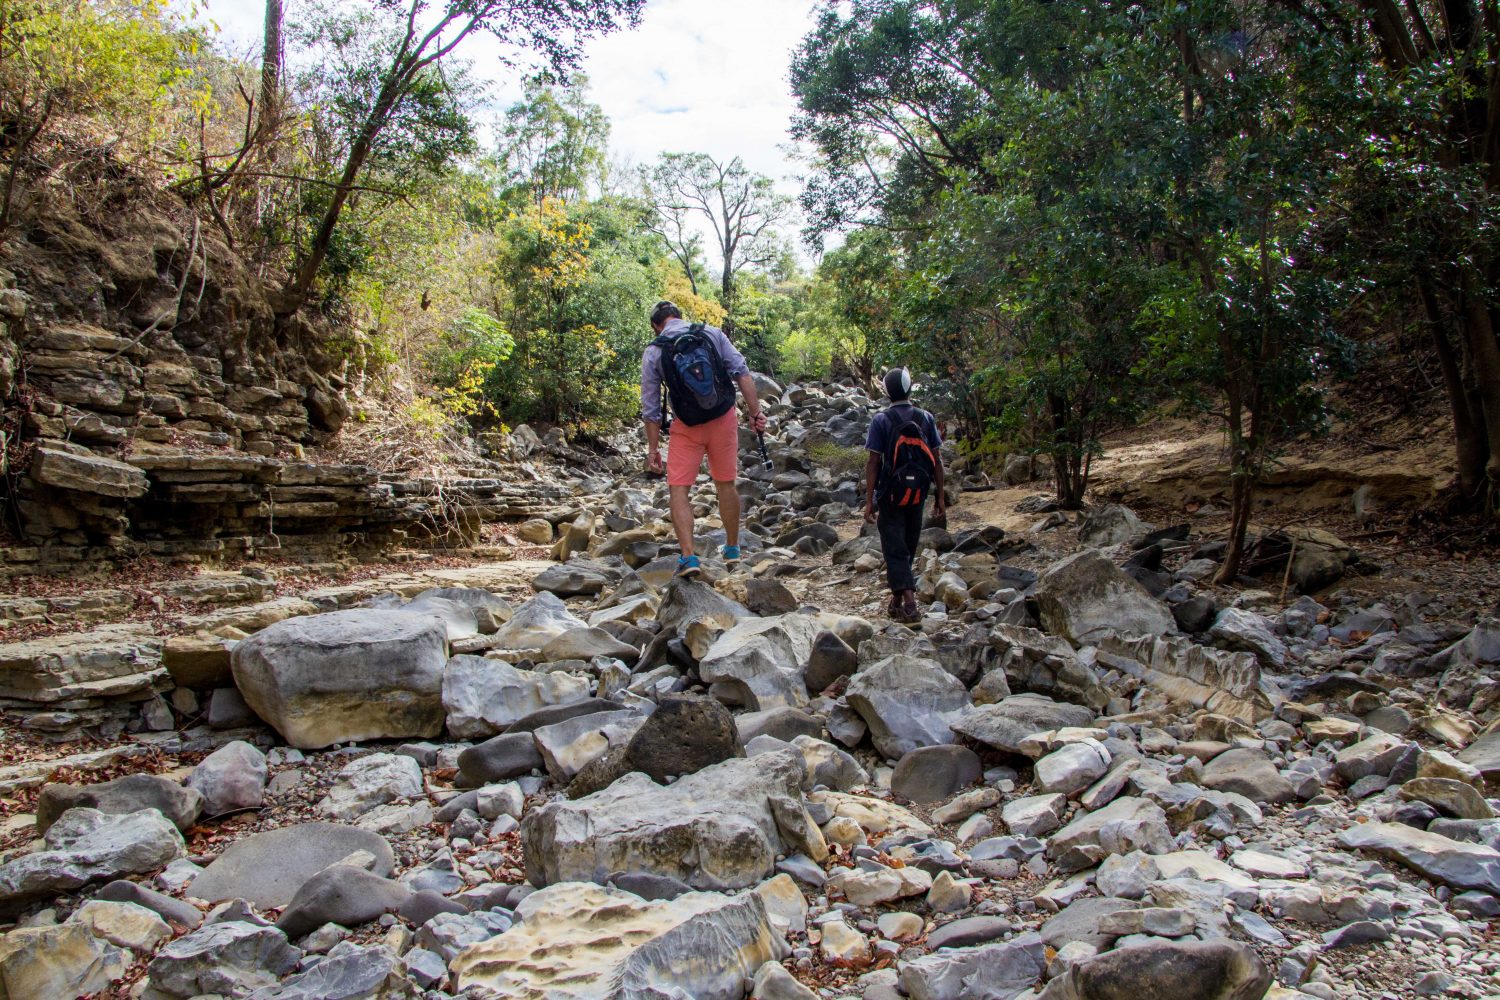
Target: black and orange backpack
{"x": 910, "y": 465}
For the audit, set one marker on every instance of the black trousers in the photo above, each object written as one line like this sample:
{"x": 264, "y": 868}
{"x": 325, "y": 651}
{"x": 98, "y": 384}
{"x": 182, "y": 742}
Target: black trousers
{"x": 900, "y": 532}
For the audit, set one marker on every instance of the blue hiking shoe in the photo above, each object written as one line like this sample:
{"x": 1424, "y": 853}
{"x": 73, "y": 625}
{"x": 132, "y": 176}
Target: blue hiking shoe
{"x": 732, "y": 556}
{"x": 687, "y": 567}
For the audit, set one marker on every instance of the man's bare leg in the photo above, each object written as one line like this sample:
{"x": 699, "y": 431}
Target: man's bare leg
{"x": 729, "y": 510}
{"x": 682, "y": 519}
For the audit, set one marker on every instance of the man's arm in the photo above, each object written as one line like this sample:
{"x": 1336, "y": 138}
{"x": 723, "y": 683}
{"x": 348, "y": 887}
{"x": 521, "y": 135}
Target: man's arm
{"x": 651, "y": 406}
{"x": 872, "y": 470}
{"x": 940, "y": 502}
{"x": 752, "y": 404}
{"x": 940, "y": 505}
{"x": 653, "y": 446}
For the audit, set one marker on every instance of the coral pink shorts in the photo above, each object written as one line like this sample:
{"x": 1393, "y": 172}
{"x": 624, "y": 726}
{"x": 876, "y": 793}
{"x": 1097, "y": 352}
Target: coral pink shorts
{"x": 719, "y": 439}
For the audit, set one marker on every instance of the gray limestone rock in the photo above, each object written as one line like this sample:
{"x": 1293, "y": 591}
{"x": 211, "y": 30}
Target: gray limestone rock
{"x": 232, "y": 958}
{"x": 343, "y": 895}
{"x": 268, "y": 868}
{"x": 348, "y": 972}
{"x": 346, "y": 675}
{"x": 371, "y": 781}
{"x": 931, "y": 774}
{"x": 231, "y": 778}
{"x": 907, "y": 702}
{"x": 482, "y": 697}
{"x": 1203, "y": 970}
{"x": 1003, "y": 969}
{"x": 131, "y": 793}
{"x": 1431, "y": 855}
{"x": 1005, "y": 724}
{"x": 718, "y": 828}
{"x": 86, "y": 845}
{"x": 1085, "y": 597}
{"x": 1249, "y": 773}
{"x": 761, "y": 661}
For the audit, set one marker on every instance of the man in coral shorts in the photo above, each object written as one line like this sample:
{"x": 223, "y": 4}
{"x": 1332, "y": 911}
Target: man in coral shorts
{"x": 699, "y": 368}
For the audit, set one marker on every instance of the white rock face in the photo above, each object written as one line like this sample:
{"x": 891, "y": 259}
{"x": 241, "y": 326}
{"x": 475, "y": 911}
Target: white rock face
{"x": 481, "y": 697}
{"x": 579, "y": 941}
{"x": 347, "y": 675}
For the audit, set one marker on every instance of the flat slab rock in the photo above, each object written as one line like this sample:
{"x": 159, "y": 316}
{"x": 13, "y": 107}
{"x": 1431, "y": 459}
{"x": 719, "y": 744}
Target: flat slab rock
{"x": 123, "y": 658}
{"x": 579, "y": 941}
{"x": 1431, "y": 855}
{"x": 268, "y": 868}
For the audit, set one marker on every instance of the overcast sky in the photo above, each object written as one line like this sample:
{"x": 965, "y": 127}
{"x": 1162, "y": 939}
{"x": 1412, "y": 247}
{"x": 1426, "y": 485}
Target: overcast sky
{"x": 697, "y": 75}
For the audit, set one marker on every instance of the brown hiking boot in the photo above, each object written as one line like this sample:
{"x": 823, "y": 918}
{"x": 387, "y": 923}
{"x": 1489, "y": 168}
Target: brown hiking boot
{"x": 893, "y": 609}
{"x": 909, "y": 612}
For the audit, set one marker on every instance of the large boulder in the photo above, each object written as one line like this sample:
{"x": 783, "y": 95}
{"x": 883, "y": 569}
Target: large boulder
{"x": 1002, "y": 969}
{"x": 721, "y": 828}
{"x": 1006, "y": 724}
{"x": 569, "y": 746}
{"x": 583, "y": 941}
{"x": 686, "y": 601}
{"x": 343, "y": 895}
{"x": 1249, "y": 773}
{"x": 760, "y": 662}
{"x": 683, "y": 736}
{"x": 907, "y": 702}
{"x": 482, "y": 697}
{"x": 576, "y": 578}
{"x": 62, "y": 960}
{"x": 368, "y": 782}
{"x": 230, "y": 958}
{"x": 1223, "y": 682}
{"x": 346, "y": 675}
{"x": 348, "y": 972}
{"x": 268, "y": 868}
{"x": 1085, "y": 597}
{"x": 587, "y": 643}
{"x": 1110, "y": 525}
{"x": 1125, "y": 825}
{"x": 86, "y": 845}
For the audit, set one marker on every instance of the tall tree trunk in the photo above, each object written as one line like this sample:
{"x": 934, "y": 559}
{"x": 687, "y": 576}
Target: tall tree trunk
{"x": 1484, "y": 357}
{"x": 270, "y": 71}
{"x": 726, "y": 297}
{"x": 1471, "y": 445}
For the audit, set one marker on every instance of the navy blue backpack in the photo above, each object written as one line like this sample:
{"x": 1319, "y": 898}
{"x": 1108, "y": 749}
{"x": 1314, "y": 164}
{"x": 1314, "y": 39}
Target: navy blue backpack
{"x": 696, "y": 379}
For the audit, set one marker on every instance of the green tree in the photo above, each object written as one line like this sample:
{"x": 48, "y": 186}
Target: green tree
{"x": 555, "y": 141}
{"x": 391, "y": 94}
{"x": 741, "y": 209}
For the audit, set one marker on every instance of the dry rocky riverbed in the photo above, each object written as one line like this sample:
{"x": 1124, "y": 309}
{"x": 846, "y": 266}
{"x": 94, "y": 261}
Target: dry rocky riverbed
{"x": 1086, "y": 774}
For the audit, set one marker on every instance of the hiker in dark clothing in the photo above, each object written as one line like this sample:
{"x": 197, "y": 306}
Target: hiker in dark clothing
{"x": 902, "y": 469}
